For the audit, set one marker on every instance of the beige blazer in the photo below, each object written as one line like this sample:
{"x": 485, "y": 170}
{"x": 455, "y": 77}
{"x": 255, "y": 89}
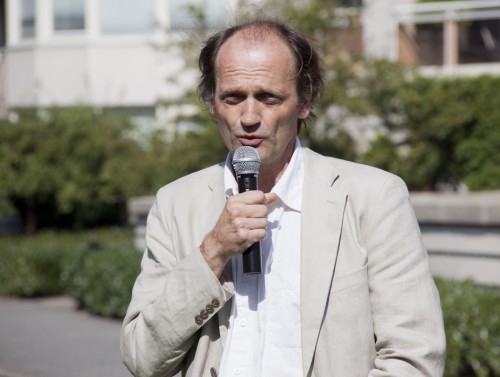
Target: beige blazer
{"x": 369, "y": 306}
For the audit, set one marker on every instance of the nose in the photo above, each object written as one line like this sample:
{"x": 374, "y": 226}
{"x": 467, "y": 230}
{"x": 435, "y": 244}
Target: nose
{"x": 250, "y": 116}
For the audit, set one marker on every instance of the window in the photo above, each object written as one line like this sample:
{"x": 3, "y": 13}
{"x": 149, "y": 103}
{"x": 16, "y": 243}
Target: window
{"x": 475, "y": 41}
{"x": 421, "y": 44}
{"x": 3, "y": 21}
{"x": 69, "y": 14}
{"x": 127, "y": 16}
{"x": 479, "y": 41}
{"x": 449, "y": 33}
{"x": 27, "y": 18}
{"x": 191, "y": 14}
{"x": 350, "y": 3}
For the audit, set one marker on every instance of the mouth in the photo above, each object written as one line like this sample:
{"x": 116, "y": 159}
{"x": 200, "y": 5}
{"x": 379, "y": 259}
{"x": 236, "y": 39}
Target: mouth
{"x": 250, "y": 141}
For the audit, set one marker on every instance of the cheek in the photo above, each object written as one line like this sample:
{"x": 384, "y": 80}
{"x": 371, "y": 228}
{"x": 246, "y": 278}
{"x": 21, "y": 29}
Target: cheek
{"x": 288, "y": 126}
{"x": 225, "y": 135}
{"x": 289, "y": 132}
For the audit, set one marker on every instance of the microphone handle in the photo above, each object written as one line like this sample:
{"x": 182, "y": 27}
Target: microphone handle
{"x": 252, "y": 258}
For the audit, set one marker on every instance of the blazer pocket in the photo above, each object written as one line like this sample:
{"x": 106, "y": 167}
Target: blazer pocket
{"x": 352, "y": 279}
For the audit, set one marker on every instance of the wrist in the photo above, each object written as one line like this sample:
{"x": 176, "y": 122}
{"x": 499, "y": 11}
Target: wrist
{"x": 215, "y": 259}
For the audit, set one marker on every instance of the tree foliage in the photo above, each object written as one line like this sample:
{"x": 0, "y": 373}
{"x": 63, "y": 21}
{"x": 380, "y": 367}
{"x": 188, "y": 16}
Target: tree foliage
{"x": 446, "y": 127}
{"x": 68, "y": 167}
{"x": 186, "y": 153}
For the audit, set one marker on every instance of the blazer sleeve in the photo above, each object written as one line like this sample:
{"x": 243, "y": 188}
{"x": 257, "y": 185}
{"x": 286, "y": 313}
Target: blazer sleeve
{"x": 174, "y": 286}
{"x": 405, "y": 304}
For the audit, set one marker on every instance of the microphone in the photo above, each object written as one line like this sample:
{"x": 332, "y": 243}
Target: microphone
{"x": 246, "y": 164}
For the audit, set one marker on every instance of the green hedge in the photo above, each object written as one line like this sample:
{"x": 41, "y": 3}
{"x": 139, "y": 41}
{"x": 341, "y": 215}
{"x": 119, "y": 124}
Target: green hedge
{"x": 472, "y": 324}
{"x": 98, "y": 268}
{"x": 102, "y": 280}
{"x": 32, "y": 266}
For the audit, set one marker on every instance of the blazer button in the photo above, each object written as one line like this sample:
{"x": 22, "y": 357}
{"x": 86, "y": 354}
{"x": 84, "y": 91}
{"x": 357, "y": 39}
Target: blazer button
{"x": 215, "y": 303}
{"x": 210, "y": 308}
{"x": 213, "y": 372}
{"x": 204, "y": 314}
{"x": 198, "y": 320}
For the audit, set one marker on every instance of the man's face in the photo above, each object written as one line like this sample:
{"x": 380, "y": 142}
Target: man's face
{"x": 256, "y": 101}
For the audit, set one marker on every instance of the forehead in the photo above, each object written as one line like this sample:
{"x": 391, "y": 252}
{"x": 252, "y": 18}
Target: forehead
{"x": 245, "y": 53}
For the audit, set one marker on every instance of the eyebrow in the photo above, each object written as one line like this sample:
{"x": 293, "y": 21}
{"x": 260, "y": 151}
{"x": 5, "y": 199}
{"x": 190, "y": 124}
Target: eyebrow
{"x": 260, "y": 90}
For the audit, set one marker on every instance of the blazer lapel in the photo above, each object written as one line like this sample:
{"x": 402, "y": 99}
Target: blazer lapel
{"x": 321, "y": 224}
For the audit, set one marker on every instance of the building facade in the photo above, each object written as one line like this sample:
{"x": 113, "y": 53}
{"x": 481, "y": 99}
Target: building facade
{"x": 122, "y": 54}
{"x": 104, "y": 53}
{"x": 442, "y": 38}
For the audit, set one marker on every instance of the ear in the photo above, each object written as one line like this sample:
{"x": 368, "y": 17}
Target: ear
{"x": 304, "y": 110}
{"x": 211, "y": 107}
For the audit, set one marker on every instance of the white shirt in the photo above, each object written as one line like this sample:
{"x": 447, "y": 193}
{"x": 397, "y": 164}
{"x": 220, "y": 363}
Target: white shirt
{"x": 264, "y": 337}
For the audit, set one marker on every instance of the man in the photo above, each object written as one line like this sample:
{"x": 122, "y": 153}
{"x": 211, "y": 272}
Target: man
{"x": 346, "y": 288}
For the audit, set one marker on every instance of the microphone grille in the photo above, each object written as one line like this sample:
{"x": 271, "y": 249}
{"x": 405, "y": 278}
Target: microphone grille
{"x": 246, "y": 160}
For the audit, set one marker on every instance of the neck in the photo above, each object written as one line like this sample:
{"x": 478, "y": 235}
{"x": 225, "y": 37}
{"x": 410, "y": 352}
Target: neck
{"x": 271, "y": 173}
{"x": 267, "y": 181}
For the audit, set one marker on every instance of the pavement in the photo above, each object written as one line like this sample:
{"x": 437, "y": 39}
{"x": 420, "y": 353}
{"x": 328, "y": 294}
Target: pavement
{"x": 50, "y": 337}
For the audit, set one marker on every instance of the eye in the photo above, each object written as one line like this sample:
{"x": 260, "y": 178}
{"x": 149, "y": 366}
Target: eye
{"x": 269, "y": 98}
{"x": 232, "y": 98}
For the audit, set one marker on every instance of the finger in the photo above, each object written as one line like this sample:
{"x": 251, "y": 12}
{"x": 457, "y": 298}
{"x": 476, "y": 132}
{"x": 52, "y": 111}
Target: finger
{"x": 257, "y": 235}
{"x": 270, "y": 198}
{"x": 250, "y": 197}
{"x": 243, "y": 210}
{"x": 252, "y": 223}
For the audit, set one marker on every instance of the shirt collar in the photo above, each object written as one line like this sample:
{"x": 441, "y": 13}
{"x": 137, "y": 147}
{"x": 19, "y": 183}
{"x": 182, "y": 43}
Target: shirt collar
{"x": 289, "y": 186}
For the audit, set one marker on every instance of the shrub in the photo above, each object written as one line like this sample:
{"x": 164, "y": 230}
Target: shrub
{"x": 97, "y": 267}
{"x": 472, "y": 324}
{"x": 31, "y": 266}
{"x": 102, "y": 280}
{"x": 447, "y": 127}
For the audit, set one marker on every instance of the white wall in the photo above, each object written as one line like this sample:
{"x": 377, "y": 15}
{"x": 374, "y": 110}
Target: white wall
{"x": 379, "y": 29}
{"x": 62, "y": 69}
{"x": 100, "y": 74}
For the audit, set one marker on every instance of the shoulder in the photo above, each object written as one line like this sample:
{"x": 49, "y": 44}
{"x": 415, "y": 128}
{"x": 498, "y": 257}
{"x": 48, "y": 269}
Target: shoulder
{"x": 351, "y": 175}
{"x": 194, "y": 185}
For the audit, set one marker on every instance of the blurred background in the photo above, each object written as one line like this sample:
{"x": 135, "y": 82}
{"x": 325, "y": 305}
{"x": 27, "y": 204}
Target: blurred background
{"x": 98, "y": 110}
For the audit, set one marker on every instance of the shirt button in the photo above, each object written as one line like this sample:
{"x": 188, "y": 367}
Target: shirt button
{"x": 236, "y": 371}
{"x": 198, "y": 320}
{"x": 215, "y": 303}
{"x": 243, "y": 322}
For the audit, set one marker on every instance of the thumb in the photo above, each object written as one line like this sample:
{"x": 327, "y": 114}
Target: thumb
{"x": 271, "y": 197}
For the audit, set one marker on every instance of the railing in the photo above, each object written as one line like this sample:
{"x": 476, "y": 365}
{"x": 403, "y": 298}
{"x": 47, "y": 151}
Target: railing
{"x": 447, "y": 10}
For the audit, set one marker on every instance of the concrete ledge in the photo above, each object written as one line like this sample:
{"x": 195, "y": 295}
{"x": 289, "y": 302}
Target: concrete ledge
{"x": 474, "y": 209}
{"x": 484, "y": 271}
{"x": 477, "y": 209}
{"x": 138, "y": 208}
{"x": 461, "y": 232}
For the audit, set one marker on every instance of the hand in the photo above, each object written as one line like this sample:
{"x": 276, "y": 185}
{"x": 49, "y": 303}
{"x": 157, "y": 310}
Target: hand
{"x": 243, "y": 222}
